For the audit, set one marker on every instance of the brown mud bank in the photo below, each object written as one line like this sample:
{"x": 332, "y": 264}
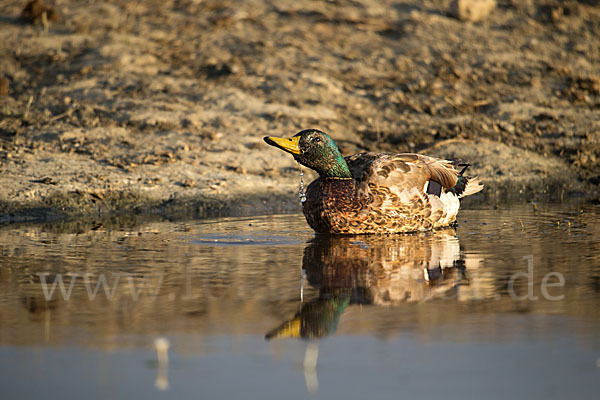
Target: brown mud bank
{"x": 160, "y": 107}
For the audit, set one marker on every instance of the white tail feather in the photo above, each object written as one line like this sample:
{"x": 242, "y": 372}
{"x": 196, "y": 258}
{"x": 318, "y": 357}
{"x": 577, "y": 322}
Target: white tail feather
{"x": 473, "y": 186}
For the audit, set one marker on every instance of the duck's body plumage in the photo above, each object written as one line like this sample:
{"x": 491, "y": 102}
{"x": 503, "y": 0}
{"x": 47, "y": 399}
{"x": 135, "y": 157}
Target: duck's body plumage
{"x": 387, "y": 194}
{"x": 384, "y": 193}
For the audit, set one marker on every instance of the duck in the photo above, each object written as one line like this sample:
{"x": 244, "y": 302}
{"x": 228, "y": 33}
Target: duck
{"x": 376, "y": 193}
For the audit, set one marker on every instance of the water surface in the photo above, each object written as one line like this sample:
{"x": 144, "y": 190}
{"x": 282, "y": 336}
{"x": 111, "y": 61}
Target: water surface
{"x": 507, "y": 304}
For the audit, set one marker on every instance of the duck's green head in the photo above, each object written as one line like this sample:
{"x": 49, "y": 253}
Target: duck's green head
{"x": 315, "y": 150}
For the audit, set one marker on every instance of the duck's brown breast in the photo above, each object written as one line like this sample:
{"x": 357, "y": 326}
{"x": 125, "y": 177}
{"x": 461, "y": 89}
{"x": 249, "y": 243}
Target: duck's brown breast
{"x": 331, "y": 205}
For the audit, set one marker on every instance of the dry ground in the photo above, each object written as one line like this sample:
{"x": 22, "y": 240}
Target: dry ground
{"x": 160, "y": 106}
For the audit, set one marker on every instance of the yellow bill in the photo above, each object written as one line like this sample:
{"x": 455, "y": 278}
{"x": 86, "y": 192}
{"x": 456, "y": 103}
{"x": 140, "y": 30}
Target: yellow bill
{"x": 290, "y": 145}
{"x": 289, "y": 329}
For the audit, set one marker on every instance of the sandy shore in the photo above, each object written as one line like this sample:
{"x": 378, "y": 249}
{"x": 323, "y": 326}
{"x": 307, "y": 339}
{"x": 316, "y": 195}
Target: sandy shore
{"x": 161, "y": 106}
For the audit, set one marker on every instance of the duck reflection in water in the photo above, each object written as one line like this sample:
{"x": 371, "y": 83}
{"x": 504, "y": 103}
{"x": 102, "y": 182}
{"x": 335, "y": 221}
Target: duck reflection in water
{"x": 382, "y": 270}
{"x": 370, "y": 270}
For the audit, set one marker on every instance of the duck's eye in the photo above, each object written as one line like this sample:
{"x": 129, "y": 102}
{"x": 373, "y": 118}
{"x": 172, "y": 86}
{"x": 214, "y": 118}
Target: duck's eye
{"x": 316, "y": 140}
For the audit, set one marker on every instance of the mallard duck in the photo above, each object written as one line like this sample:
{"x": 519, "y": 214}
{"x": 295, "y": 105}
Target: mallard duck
{"x": 376, "y": 192}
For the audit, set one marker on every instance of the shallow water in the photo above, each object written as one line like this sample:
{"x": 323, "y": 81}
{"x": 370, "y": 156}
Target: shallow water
{"x": 505, "y": 305}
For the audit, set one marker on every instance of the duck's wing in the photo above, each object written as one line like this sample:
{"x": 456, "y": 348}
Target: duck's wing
{"x": 411, "y": 190}
{"x": 399, "y": 172}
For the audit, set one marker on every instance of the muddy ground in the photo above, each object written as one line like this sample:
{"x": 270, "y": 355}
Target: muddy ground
{"x": 161, "y": 106}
